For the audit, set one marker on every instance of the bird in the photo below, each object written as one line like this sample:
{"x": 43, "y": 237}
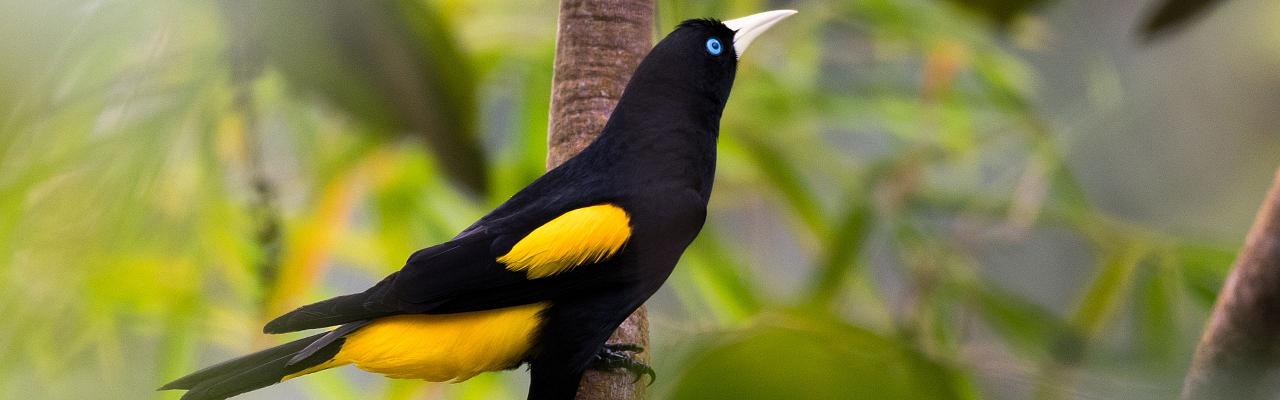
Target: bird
{"x": 549, "y": 274}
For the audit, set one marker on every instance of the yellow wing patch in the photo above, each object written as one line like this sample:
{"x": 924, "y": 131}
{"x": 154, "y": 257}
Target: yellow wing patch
{"x": 580, "y": 236}
{"x": 439, "y": 348}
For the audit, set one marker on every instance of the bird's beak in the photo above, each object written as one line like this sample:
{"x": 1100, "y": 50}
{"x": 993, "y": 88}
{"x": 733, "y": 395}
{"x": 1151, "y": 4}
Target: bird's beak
{"x": 751, "y": 26}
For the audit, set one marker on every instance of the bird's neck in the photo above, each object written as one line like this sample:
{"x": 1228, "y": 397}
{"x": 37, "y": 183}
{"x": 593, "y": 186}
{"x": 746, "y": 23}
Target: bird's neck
{"x": 665, "y": 133}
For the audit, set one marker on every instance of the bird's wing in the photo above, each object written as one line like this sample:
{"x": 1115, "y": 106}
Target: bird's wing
{"x": 485, "y": 268}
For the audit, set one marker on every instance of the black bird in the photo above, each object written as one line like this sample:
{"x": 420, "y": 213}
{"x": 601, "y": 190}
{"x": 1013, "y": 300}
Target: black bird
{"x": 548, "y": 275}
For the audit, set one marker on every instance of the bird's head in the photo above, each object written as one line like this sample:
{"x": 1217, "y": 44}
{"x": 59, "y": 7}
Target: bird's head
{"x": 701, "y": 56}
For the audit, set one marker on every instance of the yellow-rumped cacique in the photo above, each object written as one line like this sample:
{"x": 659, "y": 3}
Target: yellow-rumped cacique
{"x": 546, "y": 277}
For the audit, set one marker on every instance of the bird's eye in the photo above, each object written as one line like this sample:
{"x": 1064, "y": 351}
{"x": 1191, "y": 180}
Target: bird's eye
{"x": 714, "y": 47}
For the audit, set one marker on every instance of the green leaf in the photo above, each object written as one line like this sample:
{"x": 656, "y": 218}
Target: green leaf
{"x": 788, "y": 181}
{"x": 1204, "y": 269}
{"x": 1065, "y": 187}
{"x": 841, "y": 251}
{"x": 722, "y": 282}
{"x": 1102, "y": 298}
{"x": 802, "y": 358}
{"x": 1026, "y": 327}
{"x": 1155, "y": 314}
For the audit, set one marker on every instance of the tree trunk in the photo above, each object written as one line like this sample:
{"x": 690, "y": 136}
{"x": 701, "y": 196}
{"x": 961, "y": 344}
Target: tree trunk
{"x": 1239, "y": 346}
{"x": 598, "y": 46}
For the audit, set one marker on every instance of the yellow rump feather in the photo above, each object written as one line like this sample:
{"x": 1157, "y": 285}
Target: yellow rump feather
{"x": 580, "y": 236}
{"x": 439, "y": 348}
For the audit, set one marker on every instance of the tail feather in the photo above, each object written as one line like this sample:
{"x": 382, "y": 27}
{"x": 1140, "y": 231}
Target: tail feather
{"x": 253, "y": 371}
{"x": 324, "y": 341}
{"x": 336, "y": 311}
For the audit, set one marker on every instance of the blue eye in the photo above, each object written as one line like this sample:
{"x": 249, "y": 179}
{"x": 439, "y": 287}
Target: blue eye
{"x": 714, "y": 47}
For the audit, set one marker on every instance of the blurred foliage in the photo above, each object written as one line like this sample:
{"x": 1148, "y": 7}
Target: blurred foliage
{"x": 1001, "y": 12}
{"x": 1164, "y": 18}
{"x": 400, "y": 68}
{"x": 1172, "y": 15}
{"x": 822, "y": 359}
{"x": 864, "y": 178}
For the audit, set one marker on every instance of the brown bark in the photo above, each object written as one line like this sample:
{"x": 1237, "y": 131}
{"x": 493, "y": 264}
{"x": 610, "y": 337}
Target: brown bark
{"x": 598, "y": 45}
{"x": 1239, "y": 346}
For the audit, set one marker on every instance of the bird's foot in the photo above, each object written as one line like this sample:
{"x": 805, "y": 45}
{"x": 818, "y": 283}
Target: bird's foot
{"x": 613, "y": 357}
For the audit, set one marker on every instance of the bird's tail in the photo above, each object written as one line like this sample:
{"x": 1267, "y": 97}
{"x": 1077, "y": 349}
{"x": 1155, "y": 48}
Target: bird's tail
{"x": 256, "y": 370}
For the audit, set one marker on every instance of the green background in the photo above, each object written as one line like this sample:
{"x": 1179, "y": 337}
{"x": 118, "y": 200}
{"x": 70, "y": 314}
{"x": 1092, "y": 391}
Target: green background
{"x": 914, "y": 199}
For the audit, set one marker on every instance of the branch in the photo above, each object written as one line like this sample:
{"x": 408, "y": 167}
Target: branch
{"x": 246, "y": 64}
{"x": 1240, "y": 344}
{"x": 598, "y": 46}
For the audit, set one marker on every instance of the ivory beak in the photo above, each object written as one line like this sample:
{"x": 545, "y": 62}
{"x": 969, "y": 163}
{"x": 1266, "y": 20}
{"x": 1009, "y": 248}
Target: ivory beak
{"x": 750, "y": 27}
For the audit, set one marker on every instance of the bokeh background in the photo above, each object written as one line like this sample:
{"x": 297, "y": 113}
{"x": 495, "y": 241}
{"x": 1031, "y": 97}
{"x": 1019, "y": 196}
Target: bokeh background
{"x": 915, "y": 199}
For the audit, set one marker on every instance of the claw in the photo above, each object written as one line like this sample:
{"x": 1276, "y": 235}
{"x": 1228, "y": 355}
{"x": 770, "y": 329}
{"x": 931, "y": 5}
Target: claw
{"x": 612, "y": 357}
{"x": 627, "y": 347}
